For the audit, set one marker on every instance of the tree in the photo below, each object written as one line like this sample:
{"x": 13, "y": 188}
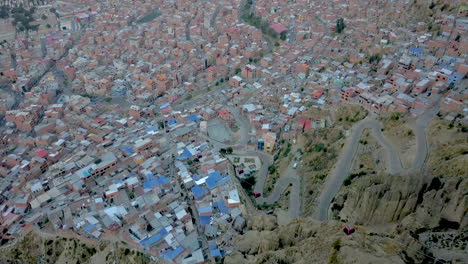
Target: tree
{"x": 340, "y": 25}
{"x": 283, "y": 36}
{"x": 375, "y": 58}
{"x": 22, "y": 20}
{"x": 4, "y": 12}
{"x": 57, "y": 15}
{"x": 229, "y": 150}
{"x": 44, "y": 17}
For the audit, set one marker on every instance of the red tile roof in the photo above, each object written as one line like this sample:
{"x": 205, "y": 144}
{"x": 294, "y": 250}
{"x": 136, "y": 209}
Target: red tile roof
{"x": 278, "y": 28}
{"x": 41, "y": 153}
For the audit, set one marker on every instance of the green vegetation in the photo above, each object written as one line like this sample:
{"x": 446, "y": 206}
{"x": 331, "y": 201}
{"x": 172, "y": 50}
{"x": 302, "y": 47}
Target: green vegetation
{"x": 57, "y": 15}
{"x": 229, "y": 150}
{"x": 23, "y": 21}
{"x": 266, "y": 206}
{"x": 340, "y": 25}
{"x": 334, "y": 256}
{"x": 395, "y": 117}
{"x": 319, "y": 147}
{"x": 375, "y": 58}
{"x": 272, "y": 169}
{"x": 108, "y": 99}
{"x": 258, "y": 22}
{"x": 224, "y": 151}
{"x": 352, "y": 176}
{"x": 248, "y": 184}
{"x": 4, "y": 12}
{"x": 149, "y": 16}
{"x": 287, "y": 150}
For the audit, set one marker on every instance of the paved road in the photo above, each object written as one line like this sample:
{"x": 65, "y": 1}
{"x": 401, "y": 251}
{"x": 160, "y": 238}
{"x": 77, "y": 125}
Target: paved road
{"x": 213, "y": 18}
{"x": 290, "y": 176}
{"x": 343, "y": 165}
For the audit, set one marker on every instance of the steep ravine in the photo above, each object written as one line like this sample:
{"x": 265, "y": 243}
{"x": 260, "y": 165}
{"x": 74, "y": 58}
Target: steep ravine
{"x": 426, "y": 210}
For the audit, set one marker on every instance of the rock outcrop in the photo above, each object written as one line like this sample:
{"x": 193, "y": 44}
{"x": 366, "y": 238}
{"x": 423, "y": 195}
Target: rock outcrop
{"x": 416, "y": 201}
{"x": 426, "y": 213}
{"x": 308, "y": 241}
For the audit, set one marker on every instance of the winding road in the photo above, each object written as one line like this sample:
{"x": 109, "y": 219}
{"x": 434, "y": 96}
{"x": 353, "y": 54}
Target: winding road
{"x": 393, "y": 162}
{"x": 342, "y": 167}
{"x": 289, "y": 178}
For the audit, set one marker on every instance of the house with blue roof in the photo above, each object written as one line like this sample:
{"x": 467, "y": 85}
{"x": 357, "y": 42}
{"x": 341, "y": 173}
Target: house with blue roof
{"x": 165, "y": 105}
{"x": 194, "y": 118}
{"x": 214, "y": 251}
{"x": 128, "y": 150}
{"x": 172, "y": 122}
{"x": 150, "y": 241}
{"x": 172, "y": 254}
{"x": 215, "y": 180}
{"x": 152, "y": 129}
{"x": 221, "y": 207}
{"x": 150, "y": 185}
{"x": 416, "y": 51}
{"x": 89, "y": 228}
{"x": 205, "y": 210}
{"x": 155, "y": 182}
{"x": 455, "y": 78}
{"x": 205, "y": 219}
{"x": 187, "y": 153}
{"x": 199, "y": 192}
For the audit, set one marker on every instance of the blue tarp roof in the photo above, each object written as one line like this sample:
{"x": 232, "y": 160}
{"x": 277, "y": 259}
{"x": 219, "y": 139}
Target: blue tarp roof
{"x": 205, "y": 220}
{"x": 198, "y": 192}
{"x": 224, "y": 180}
{"x": 150, "y": 184}
{"x": 151, "y": 128}
{"x": 212, "y": 181}
{"x": 163, "y": 180}
{"x": 164, "y": 105}
{"x": 206, "y": 209}
{"x": 417, "y": 51}
{"x": 194, "y": 118}
{"x": 181, "y": 157}
{"x": 89, "y": 228}
{"x": 172, "y": 254}
{"x": 214, "y": 251}
{"x": 202, "y": 146}
{"x": 147, "y": 242}
{"x": 172, "y": 122}
{"x": 195, "y": 177}
{"x": 187, "y": 153}
{"x": 221, "y": 206}
{"x": 128, "y": 150}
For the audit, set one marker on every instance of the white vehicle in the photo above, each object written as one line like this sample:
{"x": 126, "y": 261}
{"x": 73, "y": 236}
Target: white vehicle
{"x": 295, "y": 165}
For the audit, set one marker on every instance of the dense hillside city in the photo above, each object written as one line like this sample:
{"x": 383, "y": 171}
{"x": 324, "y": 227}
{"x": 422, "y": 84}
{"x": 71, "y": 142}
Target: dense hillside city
{"x": 233, "y": 131}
